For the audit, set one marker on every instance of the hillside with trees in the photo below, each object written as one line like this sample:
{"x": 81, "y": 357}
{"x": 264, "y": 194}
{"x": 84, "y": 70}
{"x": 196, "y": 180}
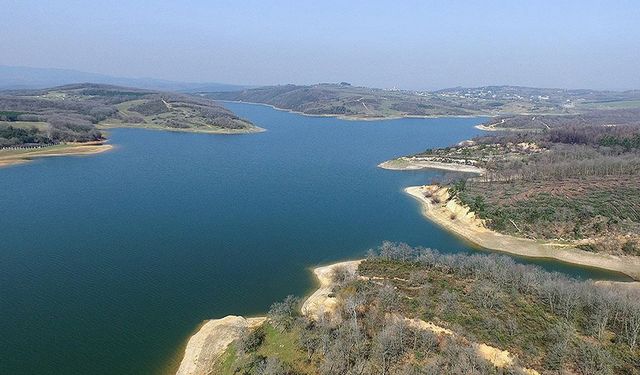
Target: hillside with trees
{"x": 415, "y": 311}
{"x": 76, "y": 113}
{"x": 576, "y": 181}
{"x": 345, "y": 100}
{"x": 613, "y": 117}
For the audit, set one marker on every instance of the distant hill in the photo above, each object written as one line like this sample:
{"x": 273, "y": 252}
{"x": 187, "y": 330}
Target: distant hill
{"x": 19, "y": 77}
{"x": 76, "y": 113}
{"x": 362, "y": 102}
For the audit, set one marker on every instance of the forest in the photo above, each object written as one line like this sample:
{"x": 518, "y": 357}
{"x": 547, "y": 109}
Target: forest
{"x": 549, "y": 323}
{"x": 576, "y": 183}
{"x": 612, "y": 117}
{"x": 345, "y": 100}
{"x": 76, "y": 113}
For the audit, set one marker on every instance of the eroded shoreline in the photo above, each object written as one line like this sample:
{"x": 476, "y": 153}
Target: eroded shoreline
{"x": 212, "y": 339}
{"x": 458, "y": 220}
{"x": 414, "y": 164}
{"x": 355, "y": 117}
{"x": 215, "y": 335}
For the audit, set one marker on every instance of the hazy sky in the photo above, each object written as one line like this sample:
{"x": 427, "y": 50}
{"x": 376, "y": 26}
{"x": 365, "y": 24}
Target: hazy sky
{"x": 408, "y": 44}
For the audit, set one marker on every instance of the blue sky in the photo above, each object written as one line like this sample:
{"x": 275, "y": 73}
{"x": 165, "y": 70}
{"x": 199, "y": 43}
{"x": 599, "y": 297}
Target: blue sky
{"x": 407, "y": 44}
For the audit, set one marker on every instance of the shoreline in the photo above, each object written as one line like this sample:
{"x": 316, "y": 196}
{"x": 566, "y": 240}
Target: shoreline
{"x": 356, "y": 117}
{"x": 211, "y": 340}
{"x": 487, "y": 128}
{"x": 214, "y": 336}
{"x": 494, "y": 129}
{"x": 8, "y": 159}
{"x": 320, "y": 301}
{"x": 255, "y": 129}
{"x": 467, "y": 226}
{"x": 20, "y": 157}
{"x": 412, "y": 164}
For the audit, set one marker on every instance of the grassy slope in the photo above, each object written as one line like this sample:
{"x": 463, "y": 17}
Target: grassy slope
{"x": 578, "y": 193}
{"x": 182, "y": 112}
{"x": 276, "y": 344}
{"x": 570, "y": 209}
{"x": 178, "y": 112}
{"x": 515, "y": 321}
{"x": 477, "y": 308}
{"x": 362, "y": 102}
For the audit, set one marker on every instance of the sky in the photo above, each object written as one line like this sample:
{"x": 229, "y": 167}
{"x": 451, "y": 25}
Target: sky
{"x": 404, "y": 44}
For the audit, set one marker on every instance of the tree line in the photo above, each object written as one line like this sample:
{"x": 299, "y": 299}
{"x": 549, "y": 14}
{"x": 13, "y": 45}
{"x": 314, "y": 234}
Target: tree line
{"x": 586, "y": 328}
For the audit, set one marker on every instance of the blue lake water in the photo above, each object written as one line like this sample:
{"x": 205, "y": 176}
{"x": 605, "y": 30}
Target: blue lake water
{"x": 109, "y": 262}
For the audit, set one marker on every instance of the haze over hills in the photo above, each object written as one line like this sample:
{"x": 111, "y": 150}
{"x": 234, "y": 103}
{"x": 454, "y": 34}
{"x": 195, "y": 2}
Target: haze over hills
{"x": 21, "y": 77}
{"x": 84, "y": 106}
{"x": 65, "y": 119}
{"x": 346, "y": 100}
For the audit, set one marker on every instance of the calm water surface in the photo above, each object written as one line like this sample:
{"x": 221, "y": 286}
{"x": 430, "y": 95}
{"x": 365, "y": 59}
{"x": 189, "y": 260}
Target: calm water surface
{"x": 109, "y": 262}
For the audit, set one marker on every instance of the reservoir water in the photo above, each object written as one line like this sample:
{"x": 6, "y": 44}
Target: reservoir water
{"x": 109, "y": 262}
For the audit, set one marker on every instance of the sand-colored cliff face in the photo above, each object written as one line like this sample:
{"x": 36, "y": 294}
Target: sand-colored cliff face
{"x": 206, "y": 346}
{"x": 213, "y": 338}
{"x": 456, "y": 218}
{"x": 498, "y": 357}
{"x": 321, "y": 301}
{"x": 210, "y": 342}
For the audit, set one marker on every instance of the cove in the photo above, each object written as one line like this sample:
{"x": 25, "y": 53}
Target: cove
{"x": 109, "y": 262}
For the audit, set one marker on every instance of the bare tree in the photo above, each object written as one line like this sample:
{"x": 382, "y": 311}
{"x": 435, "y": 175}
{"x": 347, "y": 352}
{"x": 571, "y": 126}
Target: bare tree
{"x": 282, "y": 314}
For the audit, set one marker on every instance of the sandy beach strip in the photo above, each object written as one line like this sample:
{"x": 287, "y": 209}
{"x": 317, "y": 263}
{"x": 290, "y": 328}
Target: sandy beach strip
{"x": 414, "y": 164}
{"x": 358, "y": 117}
{"x": 459, "y": 220}
{"x": 11, "y": 157}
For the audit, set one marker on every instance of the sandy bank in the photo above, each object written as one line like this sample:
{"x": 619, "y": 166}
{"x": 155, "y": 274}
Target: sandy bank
{"x": 413, "y": 164}
{"x": 360, "y": 117}
{"x": 321, "y": 302}
{"x": 14, "y": 157}
{"x": 498, "y": 357}
{"x": 212, "y": 340}
{"x": 254, "y": 129}
{"x": 489, "y": 128}
{"x": 633, "y": 285}
{"x": 215, "y": 335}
{"x": 457, "y": 219}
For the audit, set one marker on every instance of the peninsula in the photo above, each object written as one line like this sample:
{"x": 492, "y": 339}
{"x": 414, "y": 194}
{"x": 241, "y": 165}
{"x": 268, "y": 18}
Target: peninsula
{"x": 68, "y": 120}
{"x": 568, "y": 191}
{"x": 352, "y": 102}
{"x": 404, "y": 309}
